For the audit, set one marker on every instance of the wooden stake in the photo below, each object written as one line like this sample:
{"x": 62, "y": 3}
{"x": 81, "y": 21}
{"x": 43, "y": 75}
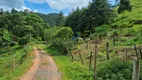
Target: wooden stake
{"x": 70, "y": 54}
{"x": 114, "y": 40}
{"x": 95, "y": 63}
{"x": 90, "y": 61}
{"x": 140, "y": 53}
{"x": 13, "y": 63}
{"x": 107, "y": 54}
{"x": 87, "y": 44}
{"x": 126, "y": 55}
{"x": 136, "y": 52}
{"x": 81, "y": 58}
{"x": 136, "y": 70}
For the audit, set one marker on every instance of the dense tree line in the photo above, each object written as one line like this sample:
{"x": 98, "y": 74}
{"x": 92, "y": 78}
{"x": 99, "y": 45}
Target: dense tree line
{"x": 20, "y": 27}
{"x": 98, "y": 13}
{"x": 85, "y": 20}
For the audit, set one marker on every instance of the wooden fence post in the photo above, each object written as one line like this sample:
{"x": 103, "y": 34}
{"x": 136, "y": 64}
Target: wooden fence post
{"x": 87, "y": 46}
{"x": 114, "y": 41}
{"x": 136, "y": 70}
{"x": 107, "y": 52}
{"x": 81, "y": 58}
{"x": 126, "y": 55}
{"x": 13, "y": 63}
{"x": 90, "y": 61}
{"x": 70, "y": 54}
{"x": 136, "y": 52}
{"x": 95, "y": 63}
{"x": 140, "y": 53}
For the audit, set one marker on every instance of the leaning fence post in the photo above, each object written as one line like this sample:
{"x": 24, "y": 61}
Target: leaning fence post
{"x": 90, "y": 61}
{"x": 81, "y": 58}
{"x": 95, "y": 63}
{"x": 70, "y": 54}
{"x": 136, "y": 70}
{"x": 107, "y": 54}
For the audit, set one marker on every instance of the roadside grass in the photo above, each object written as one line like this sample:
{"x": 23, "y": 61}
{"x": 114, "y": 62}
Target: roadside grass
{"x": 70, "y": 70}
{"x": 6, "y": 61}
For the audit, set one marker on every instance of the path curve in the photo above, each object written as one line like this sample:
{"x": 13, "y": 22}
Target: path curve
{"x": 44, "y": 67}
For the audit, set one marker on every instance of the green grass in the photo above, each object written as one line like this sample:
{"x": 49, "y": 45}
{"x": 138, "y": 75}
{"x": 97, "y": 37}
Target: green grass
{"x": 6, "y": 59}
{"x": 70, "y": 70}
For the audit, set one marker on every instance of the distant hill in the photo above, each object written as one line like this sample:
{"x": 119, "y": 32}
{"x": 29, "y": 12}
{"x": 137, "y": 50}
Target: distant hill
{"x": 51, "y": 18}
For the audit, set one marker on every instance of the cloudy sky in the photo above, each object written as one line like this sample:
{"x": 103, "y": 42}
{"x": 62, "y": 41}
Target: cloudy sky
{"x": 44, "y": 6}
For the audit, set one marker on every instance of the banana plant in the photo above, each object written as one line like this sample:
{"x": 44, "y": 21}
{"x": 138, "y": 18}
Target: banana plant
{"x": 7, "y": 39}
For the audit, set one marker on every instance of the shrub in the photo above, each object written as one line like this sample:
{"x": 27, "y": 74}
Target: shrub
{"x": 60, "y": 38}
{"x": 115, "y": 70}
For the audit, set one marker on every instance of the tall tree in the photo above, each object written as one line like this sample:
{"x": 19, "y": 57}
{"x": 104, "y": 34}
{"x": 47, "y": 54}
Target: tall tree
{"x": 124, "y": 6}
{"x": 99, "y": 12}
{"x": 60, "y": 20}
{"x": 1, "y": 10}
{"x": 13, "y": 11}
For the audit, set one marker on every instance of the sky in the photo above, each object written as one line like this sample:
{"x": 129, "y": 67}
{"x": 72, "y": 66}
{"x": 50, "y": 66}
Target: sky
{"x": 45, "y": 6}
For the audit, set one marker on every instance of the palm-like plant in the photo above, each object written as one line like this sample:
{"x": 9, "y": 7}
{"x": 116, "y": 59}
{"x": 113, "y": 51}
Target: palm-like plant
{"x": 7, "y": 39}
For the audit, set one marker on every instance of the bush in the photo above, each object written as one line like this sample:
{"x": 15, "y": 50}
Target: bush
{"x": 102, "y": 31}
{"x": 115, "y": 70}
{"x": 60, "y": 38}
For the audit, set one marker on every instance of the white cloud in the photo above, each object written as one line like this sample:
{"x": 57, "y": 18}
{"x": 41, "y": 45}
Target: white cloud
{"x": 36, "y": 1}
{"x": 35, "y": 10}
{"x": 9, "y": 4}
{"x": 63, "y": 4}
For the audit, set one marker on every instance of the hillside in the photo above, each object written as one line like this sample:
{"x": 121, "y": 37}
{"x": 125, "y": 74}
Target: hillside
{"x": 50, "y": 19}
{"x": 131, "y": 19}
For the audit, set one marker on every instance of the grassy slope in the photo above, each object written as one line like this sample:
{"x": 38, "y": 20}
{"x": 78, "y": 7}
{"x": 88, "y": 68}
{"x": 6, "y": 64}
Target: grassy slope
{"x": 76, "y": 71}
{"x": 128, "y": 26}
{"x": 135, "y": 14}
{"x": 6, "y": 72}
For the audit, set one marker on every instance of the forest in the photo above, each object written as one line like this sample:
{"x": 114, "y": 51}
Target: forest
{"x": 98, "y": 42}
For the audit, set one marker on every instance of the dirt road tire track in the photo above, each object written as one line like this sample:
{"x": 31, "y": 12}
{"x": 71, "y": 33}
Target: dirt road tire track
{"x": 44, "y": 68}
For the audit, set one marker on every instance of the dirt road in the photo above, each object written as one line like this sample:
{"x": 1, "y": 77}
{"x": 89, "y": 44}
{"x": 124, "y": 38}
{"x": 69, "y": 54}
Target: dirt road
{"x": 44, "y": 68}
